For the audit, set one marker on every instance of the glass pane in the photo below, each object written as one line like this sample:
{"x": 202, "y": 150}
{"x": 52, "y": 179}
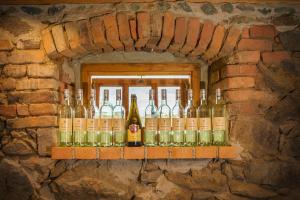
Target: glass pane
{"x": 112, "y": 94}
{"x": 142, "y": 94}
{"x": 171, "y": 95}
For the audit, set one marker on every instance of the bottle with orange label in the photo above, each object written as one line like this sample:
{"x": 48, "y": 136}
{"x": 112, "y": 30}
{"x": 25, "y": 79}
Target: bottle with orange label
{"x": 134, "y": 125}
{"x": 92, "y": 121}
{"x": 65, "y": 121}
{"x": 105, "y": 122}
{"x": 118, "y": 121}
{"x": 191, "y": 125}
{"x": 204, "y": 121}
{"x": 150, "y": 133}
{"x": 219, "y": 120}
{"x": 178, "y": 122}
{"x": 164, "y": 121}
{"x": 79, "y": 120}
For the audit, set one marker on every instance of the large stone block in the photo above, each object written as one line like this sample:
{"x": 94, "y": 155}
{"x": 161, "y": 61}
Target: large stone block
{"x": 43, "y": 71}
{"x": 33, "y": 97}
{"x": 43, "y": 109}
{"x": 30, "y": 122}
{"x": 46, "y": 138}
{"x": 15, "y": 71}
{"x": 26, "y": 56}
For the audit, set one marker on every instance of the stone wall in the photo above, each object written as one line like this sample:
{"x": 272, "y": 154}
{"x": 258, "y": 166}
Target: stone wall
{"x": 252, "y": 52}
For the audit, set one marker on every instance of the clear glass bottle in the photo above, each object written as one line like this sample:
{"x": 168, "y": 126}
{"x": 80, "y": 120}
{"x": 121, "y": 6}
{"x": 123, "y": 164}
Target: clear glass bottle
{"x": 219, "y": 120}
{"x": 178, "y": 122}
{"x": 92, "y": 121}
{"x": 134, "y": 125}
{"x": 204, "y": 121}
{"x": 191, "y": 121}
{"x": 105, "y": 122}
{"x": 164, "y": 122}
{"x": 65, "y": 121}
{"x": 118, "y": 121}
{"x": 79, "y": 120}
{"x": 150, "y": 133}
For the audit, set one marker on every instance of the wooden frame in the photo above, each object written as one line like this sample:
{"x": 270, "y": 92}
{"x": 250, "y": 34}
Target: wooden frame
{"x": 89, "y": 70}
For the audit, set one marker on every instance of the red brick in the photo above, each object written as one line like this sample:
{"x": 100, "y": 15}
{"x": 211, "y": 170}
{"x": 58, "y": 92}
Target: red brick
{"x": 7, "y": 84}
{"x": 248, "y": 95}
{"x": 255, "y": 44}
{"x": 22, "y": 110}
{"x": 242, "y": 108}
{"x": 215, "y": 76}
{"x": 143, "y": 29}
{"x": 133, "y": 29}
{"x": 262, "y": 31}
{"x": 231, "y": 40}
{"x": 245, "y": 32}
{"x": 8, "y": 111}
{"x": 3, "y": 58}
{"x": 46, "y": 139}
{"x": 15, "y": 71}
{"x": 205, "y": 38}
{"x": 179, "y": 35}
{"x": 193, "y": 32}
{"x": 43, "y": 71}
{"x": 61, "y": 42}
{"x": 168, "y": 31}
{"x": 216, "y": 42}
{"x": 111, "y": 31}
{"x": 156, "y": 22}
{"x": 26, "y": 56}
{"x": 72, "y": 35}
{"x": 33, "y": 97}
{"x": 236, "y": 82}
{"x": 124, "y": 31}
{"x": 86, "y": 39}
{"x": 241, "y": 57}
{"x": 43, "y": 109}
{"x": 48, "y": 44}
{"x": 275, "y": 57}
{"x": 31, "y": 122}
{"x": 238, "y": 70}
{"x": 34, "y": 84}
{"x": 5, "y": 45}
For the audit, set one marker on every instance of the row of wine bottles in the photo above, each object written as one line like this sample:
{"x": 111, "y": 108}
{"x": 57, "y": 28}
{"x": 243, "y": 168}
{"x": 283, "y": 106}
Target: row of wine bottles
{"x": 189, "y": 126}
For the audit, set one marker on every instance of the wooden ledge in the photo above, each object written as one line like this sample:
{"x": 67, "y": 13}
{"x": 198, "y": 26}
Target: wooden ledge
{"x": 129, "y": 153}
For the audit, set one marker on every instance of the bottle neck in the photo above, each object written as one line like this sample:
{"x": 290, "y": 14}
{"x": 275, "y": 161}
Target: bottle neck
{"x": 118, "y": 102}
{"x": 106, "y": 101}
{"x": 190, "y": 102}
{"x": 164, "y": 102}
{"x": 79, "y": 101}
{"x": 203, "y": 99}
{"x": 67, "y": 101}
{"x": 92, "y": 101}
{"x": 218, "y": 99}
{"x": 178, "y": 102}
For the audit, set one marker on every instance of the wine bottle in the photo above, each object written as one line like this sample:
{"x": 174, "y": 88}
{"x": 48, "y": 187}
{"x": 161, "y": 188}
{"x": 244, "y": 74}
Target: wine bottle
{"x": 204, "y": 121}
{"x": 92, "y": 121}
{"x": 164, "y": 122}
{"x": 118, "y": 122}
{"x": 65, "y": 121}
{"x": 134, "y": 125}
{"x": 79, "y": 121}
{"x": 178, "y": 122}
{"x": 105, "y": 122}
{"x": 150, "y": 133}
{"x": 219, "y": 120}
{"x": 191, "y": 121}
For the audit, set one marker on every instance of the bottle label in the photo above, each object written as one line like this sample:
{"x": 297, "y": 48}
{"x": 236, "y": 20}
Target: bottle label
{"x": 65, "y": 125}
{"x": 134, "y": 133}
{"x": 91, "y": 125}
{"x": 164, "y": 124}
{"x": 178, "y": 124}
{"x": 118, "y": 125}
{"x": 219, "y": 123}
{"x": 79, "y": 124}
{"x": 191, "y": 124}
{"x": 151, "y": 124}
{"x": 105, "y": 125}
{"x": 204, "y": 124}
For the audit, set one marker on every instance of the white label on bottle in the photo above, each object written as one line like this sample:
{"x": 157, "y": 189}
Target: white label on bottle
{"x": 92, "y": 125}
{"x": 164, "y": 124}
{"x": 118, "y": 125}
{"x": 191, "y": 124}
{"x": 79, "y": 124}
{"x": 105, "y": 125}
{"x": 204, "y": 124}
{"x": 219, "y": 123}
{"x": 65, "y": 124}
{"x": 151, "y": 124}
{"x": 178, "y": 124}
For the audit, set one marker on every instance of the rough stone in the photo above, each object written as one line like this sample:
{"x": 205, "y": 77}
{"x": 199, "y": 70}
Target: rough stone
{"x": 134, "y": 7}
{"x": 290, "y": 40}
{"x": 29, "y": 44}
{"x": 265, "y": 11}
{"x": 15, "y": 25}
{"x": 46, "y": 138}
{"x": 163, "y": 6}
{"x": 209, "y": 9}
{"x": 18, "y": 147}
{"x": 31, "y": 10}
{"x": 227, "y": 7}
{"x": 33, "y": 97}
{"x": 18, "y": 134}
{"x": 55, "y": 9}
{"x": 7, "y": 84}
{"x": 184, "y": 6}
{"x": 284, "y": 10}
{"x": 151, "y": 176}
{"x": 15, "y": 71}
{"x": 286, "y": 20}
{"x": 245, "y": 7}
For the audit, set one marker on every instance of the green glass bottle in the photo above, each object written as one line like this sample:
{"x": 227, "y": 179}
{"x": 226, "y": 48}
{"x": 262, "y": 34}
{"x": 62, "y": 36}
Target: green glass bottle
{"x": 190, "y": 121}
{"x": 105, "y": 122}
{"x": 118, "y": 121}
{"x": 178, "y": 122}
{"x": 92, "y": 121}
{"x": 164, "y": 122}
{"x": 150, "y": 133}
{"x": 79, "y": 120}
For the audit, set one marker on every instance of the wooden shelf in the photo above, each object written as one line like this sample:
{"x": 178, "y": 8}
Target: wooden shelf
{"x": 129, "y": 153}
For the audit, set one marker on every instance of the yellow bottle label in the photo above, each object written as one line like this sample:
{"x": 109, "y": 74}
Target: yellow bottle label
{"x": 164, "y": 124}
{"x": 92, "y": 125}
{"x": 151, "y": 124}
{"x": 134, "y": 133}
{"x": 118, "y": 125}
{"x": 191, "y": 124}
{"x": 105, "y": 125}
{"x": 65, "y": 125}
{"x": 219, "y": 123}
{"x": 204, "y": 124}
{"x": 79, "y": 124}
{"x": 178, "y": 124}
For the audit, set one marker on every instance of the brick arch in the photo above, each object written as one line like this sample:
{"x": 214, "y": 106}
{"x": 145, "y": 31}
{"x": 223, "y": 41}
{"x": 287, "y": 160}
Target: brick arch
{"x": 155, "y": 31}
